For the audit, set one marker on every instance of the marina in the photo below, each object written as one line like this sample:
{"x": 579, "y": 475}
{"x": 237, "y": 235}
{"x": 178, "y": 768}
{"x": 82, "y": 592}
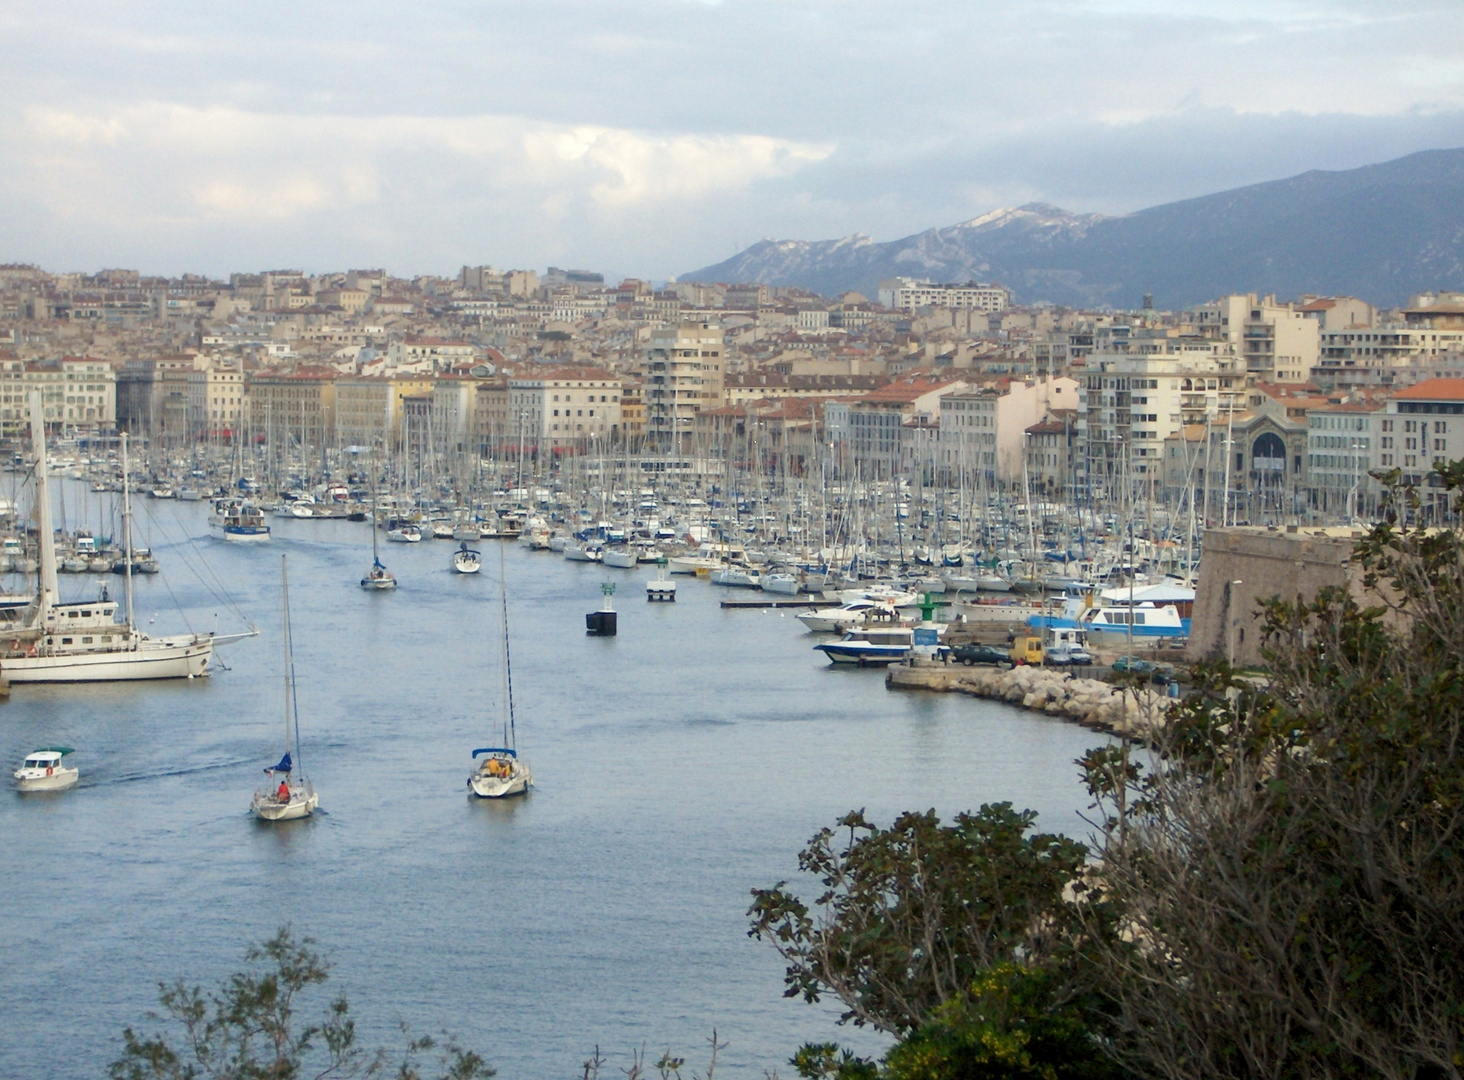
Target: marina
{"x": 629, "y": 864}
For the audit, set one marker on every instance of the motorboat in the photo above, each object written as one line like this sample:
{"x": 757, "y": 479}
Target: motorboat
{"x": 238, "y": 520}
{"x": 295, "y": 796}
{"x": 839, "y": 619}
{"x": 44, "y": 770}
{"x": 467, "y": 561}
{"x": 404, "y": 534}
{"x": 870, "y": 646}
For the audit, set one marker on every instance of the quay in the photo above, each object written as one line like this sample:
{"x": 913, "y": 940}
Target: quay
{"x": 810, "y": 602}
{"x": 1090, "y": 702}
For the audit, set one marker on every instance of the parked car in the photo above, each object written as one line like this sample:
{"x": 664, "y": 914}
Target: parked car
{"x": 1074, "y": 655}
{"x": 1133, "y": 665}
{"x": 975, "y": 653}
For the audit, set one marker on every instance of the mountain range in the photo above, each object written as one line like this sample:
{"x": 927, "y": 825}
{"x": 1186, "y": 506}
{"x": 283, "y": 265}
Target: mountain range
{"x": 1381, "y": 232}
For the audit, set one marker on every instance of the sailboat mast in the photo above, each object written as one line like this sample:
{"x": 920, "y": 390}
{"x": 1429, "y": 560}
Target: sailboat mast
{"x": 285, "y": 617}
{"x": 46, "y": 538}
{"x": 510, "y": 732}
{"x": 127, "y": 534}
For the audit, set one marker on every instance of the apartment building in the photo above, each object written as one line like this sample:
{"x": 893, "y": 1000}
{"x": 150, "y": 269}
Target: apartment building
{"x": 1132, "y": 401}
{"x": 566, "y": 406}
{"x": 364, "y": 413}
{"x": 217, "y": 401}
{"x": 294, "y": 406}
{"x": 1278, "y": 342}
{"x": 907, "y": 294}
{"x": 1342, "y": 440}
{"x": 683, "y": 376}
{"x": 878, "y": 431}
{"x": 1051, "y": 453}
{"x": 428, "y": 354}
{"x": 983, "y": 430}
{"x": 77, "y": 393}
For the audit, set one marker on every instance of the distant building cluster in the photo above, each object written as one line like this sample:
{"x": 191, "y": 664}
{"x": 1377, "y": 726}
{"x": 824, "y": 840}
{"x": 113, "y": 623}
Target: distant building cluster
{"x": 957, "y": 383}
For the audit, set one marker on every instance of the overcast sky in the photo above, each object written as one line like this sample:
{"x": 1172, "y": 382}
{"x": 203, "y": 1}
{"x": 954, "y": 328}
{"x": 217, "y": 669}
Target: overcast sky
{"x": 651, "y": 137}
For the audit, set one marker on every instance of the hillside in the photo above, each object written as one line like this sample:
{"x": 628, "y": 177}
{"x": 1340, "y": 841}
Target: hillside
{"x": 1379, "y": 232}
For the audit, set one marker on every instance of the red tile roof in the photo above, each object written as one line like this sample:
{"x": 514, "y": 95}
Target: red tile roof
{"x": 1433, "y": 390}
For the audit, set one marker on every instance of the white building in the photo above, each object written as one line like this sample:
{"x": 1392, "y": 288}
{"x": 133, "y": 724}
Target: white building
{"x": 683, "y": 376}
{"x": 1134, "y": 400}
{"x": 566, "y": 406}
{"x": 982, "y": 430}
{"x": 907, "y": 294}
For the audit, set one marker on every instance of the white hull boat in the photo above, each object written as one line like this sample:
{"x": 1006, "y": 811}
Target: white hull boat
{"x": 294, "y": 797}
{"x": 510, "y": 776}
{"x": 467, "y": 561}
{"x": 621, "y": 558}
{"x": 45, "y": 771}
{"x": 782, "y": 584}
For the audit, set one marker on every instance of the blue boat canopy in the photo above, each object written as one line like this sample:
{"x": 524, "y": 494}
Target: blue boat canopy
{"x": 285, "y": 765}
{"x": 495, "y": 750}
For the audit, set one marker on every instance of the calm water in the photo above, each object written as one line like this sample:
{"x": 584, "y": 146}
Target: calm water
{"x": 678, "y": 765}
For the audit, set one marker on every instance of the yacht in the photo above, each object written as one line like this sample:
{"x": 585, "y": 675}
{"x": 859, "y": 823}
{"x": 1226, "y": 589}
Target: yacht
{"x": 619, "y": 556}
{"x": 838, "y": 620}
{"x": 871, "y": 646}
{"x": 44, "y": 770}
{"x": 239, "y": 521}
{"x": 83, "y": 641}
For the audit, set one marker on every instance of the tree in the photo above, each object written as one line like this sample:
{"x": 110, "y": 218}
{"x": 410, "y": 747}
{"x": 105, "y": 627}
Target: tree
{"x": 1288, "y": 870}
{"x": 248, "y": 1029}
{"x": 908, "y": 916}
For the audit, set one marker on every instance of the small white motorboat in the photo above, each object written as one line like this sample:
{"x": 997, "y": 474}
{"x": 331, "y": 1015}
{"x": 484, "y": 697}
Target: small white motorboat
{"x": 467, "y": 561}
{"x": 43, "y": 771}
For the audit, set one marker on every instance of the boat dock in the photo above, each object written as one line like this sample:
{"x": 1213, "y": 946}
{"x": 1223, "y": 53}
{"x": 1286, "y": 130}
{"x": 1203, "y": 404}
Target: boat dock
{"x": 791, "y": 602}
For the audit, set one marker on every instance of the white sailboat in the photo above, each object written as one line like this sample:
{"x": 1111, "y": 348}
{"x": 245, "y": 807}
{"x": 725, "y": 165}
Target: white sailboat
{"x": 467, "y": 561}
{"x": 83, "y": 641}
{"x": 378, "y": 577}
{"x": 294, "y": 797}
{"x": 501, "y": 773}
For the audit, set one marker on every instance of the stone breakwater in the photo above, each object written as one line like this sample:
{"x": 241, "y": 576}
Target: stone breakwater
{"x": 1090, "y": 702}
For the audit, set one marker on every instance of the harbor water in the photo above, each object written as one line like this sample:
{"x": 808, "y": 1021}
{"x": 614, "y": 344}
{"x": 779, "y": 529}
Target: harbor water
{"x": 678, "y": 765}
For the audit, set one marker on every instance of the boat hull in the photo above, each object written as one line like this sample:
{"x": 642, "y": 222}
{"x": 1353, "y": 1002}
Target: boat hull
{"x": 160, "y": 658}
{"x": 863, "y": 655}
{"x": 59, "y": 780}
{"x": 267, "y": 809}
{"x": 484, "y": 786}
{"x": 241, "y": 534}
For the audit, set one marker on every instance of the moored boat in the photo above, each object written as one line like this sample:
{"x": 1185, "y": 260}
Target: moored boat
{"x": 45, "y": 770}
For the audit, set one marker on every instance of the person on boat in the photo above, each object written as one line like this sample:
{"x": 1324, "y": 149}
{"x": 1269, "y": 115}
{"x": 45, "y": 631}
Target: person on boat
{"x": 283, "y": 794}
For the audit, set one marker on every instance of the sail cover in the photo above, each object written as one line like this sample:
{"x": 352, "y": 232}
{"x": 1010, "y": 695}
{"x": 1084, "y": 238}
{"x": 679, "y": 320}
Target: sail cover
{"x": 285, "y": 765}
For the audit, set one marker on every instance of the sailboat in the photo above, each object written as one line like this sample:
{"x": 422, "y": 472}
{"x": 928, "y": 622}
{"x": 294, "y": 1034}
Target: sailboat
{"x": 378, "y": 577}
{"x": 83, "y": 641}
{"x": 500, "y": 773}
{"x": 467, "y": 561}
{"x": 294, "y": 796}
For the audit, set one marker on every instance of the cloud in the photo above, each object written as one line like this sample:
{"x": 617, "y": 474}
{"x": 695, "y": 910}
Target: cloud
{"x": 169, "y": 167}
{"x": 653, "y": 135}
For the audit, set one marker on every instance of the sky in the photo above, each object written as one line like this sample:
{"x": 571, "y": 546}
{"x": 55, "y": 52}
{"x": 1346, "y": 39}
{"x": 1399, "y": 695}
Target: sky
{"x": 653, "y": 137}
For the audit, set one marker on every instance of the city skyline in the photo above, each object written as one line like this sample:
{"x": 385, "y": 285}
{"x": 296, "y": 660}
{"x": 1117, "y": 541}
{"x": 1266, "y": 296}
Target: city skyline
{"x": 650, "y": 137}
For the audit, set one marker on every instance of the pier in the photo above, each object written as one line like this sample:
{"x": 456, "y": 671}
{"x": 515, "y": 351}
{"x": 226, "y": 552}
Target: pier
{"x": 765, "y": 601}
